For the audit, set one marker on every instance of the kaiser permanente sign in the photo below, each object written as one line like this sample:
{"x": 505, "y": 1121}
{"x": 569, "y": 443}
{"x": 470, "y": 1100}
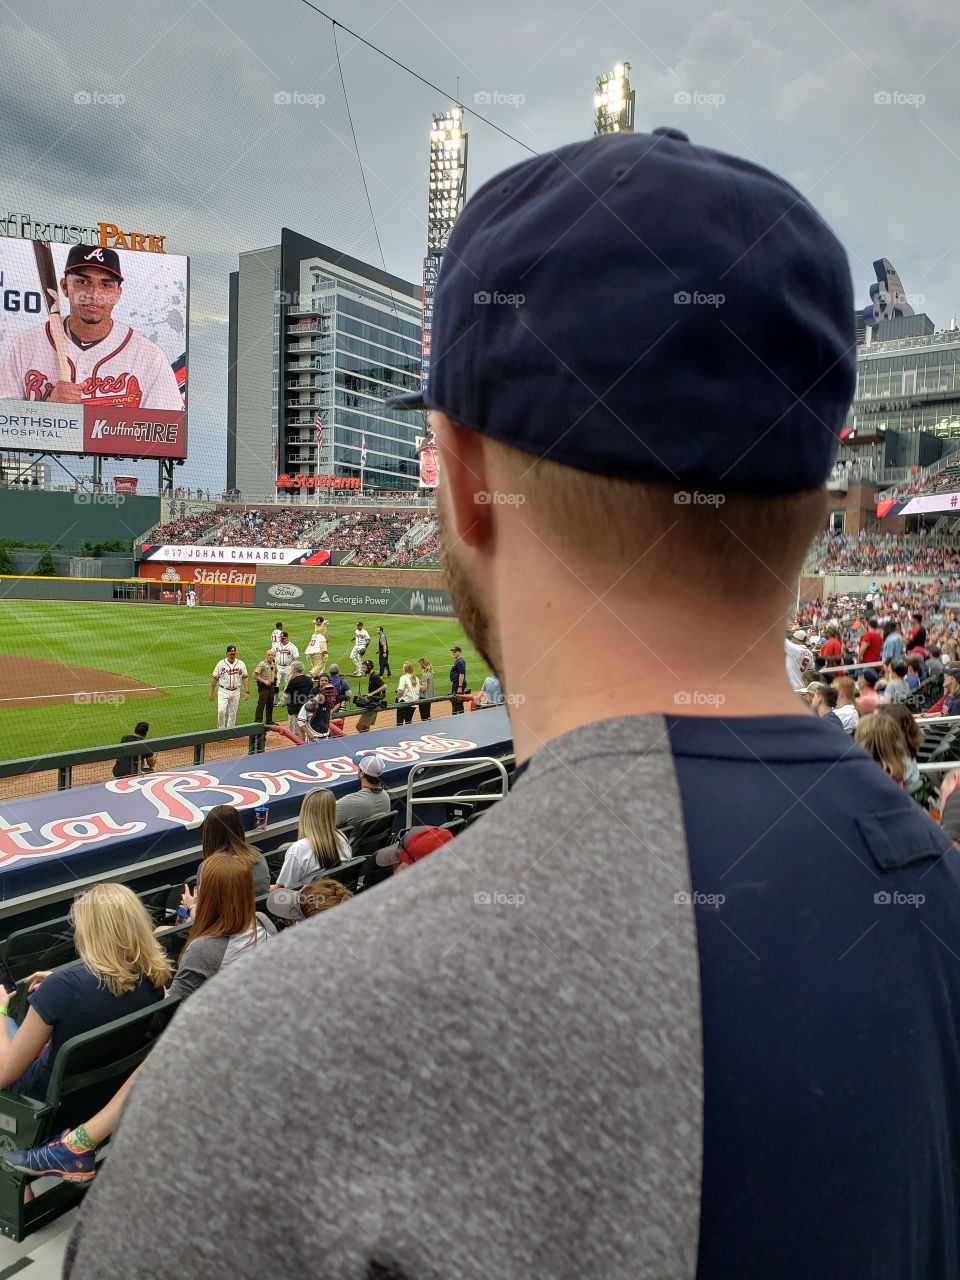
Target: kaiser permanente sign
{"x": 399, "y": 600}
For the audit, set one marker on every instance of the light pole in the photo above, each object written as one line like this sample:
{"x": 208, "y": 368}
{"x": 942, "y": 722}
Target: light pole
{"x": 614, "y": 101}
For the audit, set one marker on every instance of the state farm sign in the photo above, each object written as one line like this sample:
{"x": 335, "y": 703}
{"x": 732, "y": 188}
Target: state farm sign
{"x": 125, "y": 432}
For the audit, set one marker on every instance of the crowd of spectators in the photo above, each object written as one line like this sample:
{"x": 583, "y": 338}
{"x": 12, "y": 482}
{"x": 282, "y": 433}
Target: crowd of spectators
{"x": 945, "y": 480}
{"x": 875, "y": 675}
{"x": 369, "y": 537}
{"x": 912, "y": 554}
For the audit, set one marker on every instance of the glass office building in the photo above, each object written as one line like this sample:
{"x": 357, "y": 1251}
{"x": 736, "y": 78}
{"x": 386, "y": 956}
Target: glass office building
{"x": 908, "y": 380}
{"x": 333, "y": 336}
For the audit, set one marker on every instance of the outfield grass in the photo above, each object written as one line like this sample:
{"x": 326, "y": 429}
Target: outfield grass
{"x": 175, "y": 649}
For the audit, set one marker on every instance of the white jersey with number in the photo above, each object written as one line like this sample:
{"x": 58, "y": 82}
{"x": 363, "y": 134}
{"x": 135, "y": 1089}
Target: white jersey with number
{"x": 124, "y": 368}
{"x": 798, "y": 660}
{"x": 317, "y": 643}
{"x": 276, "y": 635}
{"x": 285, "y": 654}
{"x": 229, "y": 675}
{"x": 361, "y": 639}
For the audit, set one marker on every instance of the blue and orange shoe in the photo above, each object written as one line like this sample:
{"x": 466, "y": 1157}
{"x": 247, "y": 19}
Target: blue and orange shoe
{"x": 55, "y": 1159}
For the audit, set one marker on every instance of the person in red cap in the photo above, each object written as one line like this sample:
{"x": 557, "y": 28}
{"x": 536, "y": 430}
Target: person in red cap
{"x": 411, "y": 847}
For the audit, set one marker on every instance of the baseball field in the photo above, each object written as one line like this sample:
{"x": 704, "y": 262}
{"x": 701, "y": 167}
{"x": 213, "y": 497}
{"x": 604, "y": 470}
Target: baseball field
{"x": 81, "y": 675}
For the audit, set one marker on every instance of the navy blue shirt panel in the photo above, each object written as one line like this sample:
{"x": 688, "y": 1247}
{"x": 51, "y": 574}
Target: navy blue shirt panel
{"x": 828, "y": 914}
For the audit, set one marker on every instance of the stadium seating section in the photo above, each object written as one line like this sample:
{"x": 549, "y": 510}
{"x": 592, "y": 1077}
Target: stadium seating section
{"x": 90, "y": 1068}
{"x": 919, "y": 555}
{"x": 365, "y": 537}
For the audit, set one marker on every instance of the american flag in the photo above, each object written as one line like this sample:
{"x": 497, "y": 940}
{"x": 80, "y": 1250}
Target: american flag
{"x": 363, "y": 451}
{"x": 318, "y": 432}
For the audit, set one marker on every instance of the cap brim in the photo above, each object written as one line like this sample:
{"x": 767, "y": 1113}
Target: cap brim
{"x": 285, "y": 904}
{"x": 413, "y": 400}
{"x": 388, "y": 857}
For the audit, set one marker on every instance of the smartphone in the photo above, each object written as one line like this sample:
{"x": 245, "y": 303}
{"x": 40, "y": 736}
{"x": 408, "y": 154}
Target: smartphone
{"x": 7, "y": 978}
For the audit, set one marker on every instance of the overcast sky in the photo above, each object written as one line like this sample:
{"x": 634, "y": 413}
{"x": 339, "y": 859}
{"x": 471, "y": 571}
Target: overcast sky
{"x": 198, "y": 149}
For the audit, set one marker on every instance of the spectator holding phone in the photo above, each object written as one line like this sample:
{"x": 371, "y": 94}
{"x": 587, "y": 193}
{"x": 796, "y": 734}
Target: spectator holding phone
{"x": 226, "y": 923}
{"x": 122, "y": 969}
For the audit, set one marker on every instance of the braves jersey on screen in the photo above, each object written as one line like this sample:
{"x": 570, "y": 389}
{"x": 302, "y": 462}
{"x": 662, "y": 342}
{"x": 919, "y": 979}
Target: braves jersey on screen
{"x": 123, "y": 368}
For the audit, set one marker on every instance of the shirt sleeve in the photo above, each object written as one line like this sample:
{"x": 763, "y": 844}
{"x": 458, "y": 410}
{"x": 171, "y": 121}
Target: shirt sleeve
{"x": 198, "y": 963}
{"x": 11, "y": 378}
{"x": 161, "y": 390}
{"x": 54, "y": 996}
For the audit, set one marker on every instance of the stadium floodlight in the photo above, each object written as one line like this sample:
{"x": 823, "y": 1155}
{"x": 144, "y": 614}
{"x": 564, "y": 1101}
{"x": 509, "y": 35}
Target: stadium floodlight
{"x": 614, "y": 101}
{"x": 448, "y": 177}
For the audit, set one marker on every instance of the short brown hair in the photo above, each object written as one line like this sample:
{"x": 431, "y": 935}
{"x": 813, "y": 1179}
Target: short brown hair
{"x": 756, "y": 542}
{"x": 320, "y": 895}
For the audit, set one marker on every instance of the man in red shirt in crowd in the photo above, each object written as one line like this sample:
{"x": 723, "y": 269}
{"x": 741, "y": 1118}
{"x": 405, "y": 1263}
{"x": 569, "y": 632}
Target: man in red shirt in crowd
{"x": 831, "y": 649}
{"x": 871, "y": 642}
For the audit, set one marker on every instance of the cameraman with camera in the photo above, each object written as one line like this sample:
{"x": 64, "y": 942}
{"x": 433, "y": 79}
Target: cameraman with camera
{"x": 373, "y": 700}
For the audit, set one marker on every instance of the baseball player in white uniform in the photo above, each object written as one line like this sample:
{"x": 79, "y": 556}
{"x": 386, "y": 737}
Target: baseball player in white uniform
{"x": 110, "y": 363}
{"x": 361, "y": 638}
{"x": 228, "y": 676}
{"x": 317, "y": 646}
{"x": 285, "y": 653}
{"x": 275, "y": 634}
{"x": 191, "y": 596}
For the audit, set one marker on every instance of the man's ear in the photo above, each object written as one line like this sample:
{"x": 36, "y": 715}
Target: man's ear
{"x": 464, "y": 478}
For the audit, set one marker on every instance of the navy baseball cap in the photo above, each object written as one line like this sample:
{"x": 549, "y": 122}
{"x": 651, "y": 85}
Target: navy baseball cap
{"x": 640, "y": 307}
{"x": 85, "y": 255}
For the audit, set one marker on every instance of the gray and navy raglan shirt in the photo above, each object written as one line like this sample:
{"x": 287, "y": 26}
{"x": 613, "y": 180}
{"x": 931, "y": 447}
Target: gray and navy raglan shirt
{"x": 687, "y": 1003}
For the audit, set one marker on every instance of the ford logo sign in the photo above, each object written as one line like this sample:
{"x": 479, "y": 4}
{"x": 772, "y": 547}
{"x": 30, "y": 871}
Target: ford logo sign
{"x": 284, "y": 591}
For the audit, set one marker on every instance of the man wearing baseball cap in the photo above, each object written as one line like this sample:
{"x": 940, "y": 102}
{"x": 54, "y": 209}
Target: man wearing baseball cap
{"x": 458, "y": 679}
{"x": 411, "y": 847}
{"x": 798, "y": 659}
{"x": 705, "y": 1044}
{"x": 370, "y": 801}
{"x": 109, "y": 362}
{"x": 228, "y": 677}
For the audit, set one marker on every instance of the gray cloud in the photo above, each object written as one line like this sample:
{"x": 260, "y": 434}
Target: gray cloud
{"x": 200, "y": 151}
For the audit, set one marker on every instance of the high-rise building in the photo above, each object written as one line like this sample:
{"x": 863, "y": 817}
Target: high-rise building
{"x": 315, "y": 333}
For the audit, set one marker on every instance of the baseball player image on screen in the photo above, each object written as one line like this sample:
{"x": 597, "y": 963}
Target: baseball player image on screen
{"x": 110, "y": 363}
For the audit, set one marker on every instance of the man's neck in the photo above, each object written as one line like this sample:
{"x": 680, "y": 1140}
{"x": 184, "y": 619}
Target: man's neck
{"x": 88, "y": 333}
{"x": 636, "y": 656}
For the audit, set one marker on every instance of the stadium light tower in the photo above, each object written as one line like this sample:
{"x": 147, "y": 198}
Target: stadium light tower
{"x": 614, "y": 101}
{"x": 448, "y": 177}
{"x": 447, "y": 192}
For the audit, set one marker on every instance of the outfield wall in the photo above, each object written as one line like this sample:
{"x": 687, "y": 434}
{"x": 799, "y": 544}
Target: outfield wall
{"x": 337, "y": 592}
{"x": 70, "y": 519}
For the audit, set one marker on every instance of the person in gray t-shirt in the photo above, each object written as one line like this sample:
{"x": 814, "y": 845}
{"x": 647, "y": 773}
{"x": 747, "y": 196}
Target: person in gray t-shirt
{"x": 657, "y": 1015}
{"x": 370, "y": 801}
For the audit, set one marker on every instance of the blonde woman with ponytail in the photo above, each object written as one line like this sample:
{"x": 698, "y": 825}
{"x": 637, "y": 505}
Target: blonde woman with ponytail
{"x": 319, "y": 845}
{"x": 122, "y": 969}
